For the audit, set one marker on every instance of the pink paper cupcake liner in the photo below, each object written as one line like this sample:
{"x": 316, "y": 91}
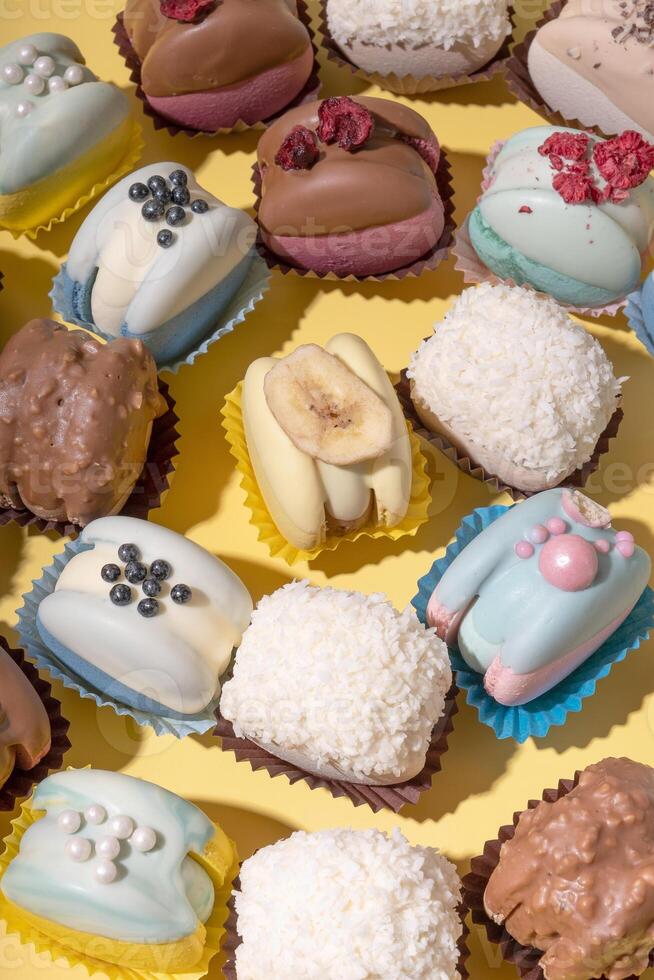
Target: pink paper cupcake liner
{"x": 376, "y": 797}
{"x": 232, "y": 940}
{"x": 22, "y": 781}
{"x": 470, "y": 466}
{"x": 427, "y": 263}
{"x": 132, "y": 61}
{"x": 474, "y": 270}
{"x": 408, "y": 84}
{"x": 149, "y": 489}
{"x": 524, "y": 958}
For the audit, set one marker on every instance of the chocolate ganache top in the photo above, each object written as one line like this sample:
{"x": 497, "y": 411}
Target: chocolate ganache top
{"x": 389, "y": 178}
{"x": 75, "y": 421}
{"x": 577, "y": 879}
{"x": 235, "y": 41}
{"x": 24, "y": 723}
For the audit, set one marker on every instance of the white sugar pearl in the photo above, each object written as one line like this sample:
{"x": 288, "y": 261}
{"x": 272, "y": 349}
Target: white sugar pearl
{"x": 78, "y": 849}
{"x": 34, "y": 84}
{"x": 108, "y": 847}
{"x": 121, "y": 827}
{"x": 23, "y": 109}
{"x": 28, "y": 54}
{"x": 143, "y": 839}
{"x": 12, "y": 73}
{"x": 44, "y": 66}
{"x": 74, "y": 75}
{"x": 105, "y": 872}
{"x": 57, "y": 84}
{"x": 69, "y": 821}
{"x": 95, "y": 814}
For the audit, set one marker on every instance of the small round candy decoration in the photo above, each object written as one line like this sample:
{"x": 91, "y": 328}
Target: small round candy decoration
{"x": 121, "y": 826}
{"x": 12, "y": 73}
{"x": 23, "y": 109}
{"x": 165, "y": 238}
{"x": 44, "y": 66}
{"x": 121, "y": 595}
{"x": 69, "y": 821}
{"x": 78, "y": 849}
{"x": 34, "y": 84}
{"x": 57, "y": 84}
{"x": 148, "y": 608}
{"x": 108, "y": 848}
{"x": 143, "y": 839}
{"x": 135, "y": 572}
{"x": 28, "y": 54}
{"x": 106, "y": 872}
{"x": 74, "y": 75}
{"x": 95, "y": 814}
{"x": 129, "y": 552}
{"x": 110, "y": 572}
{"x": 160, "y": 569}
{"x": 138, "y": 192}
{"x": 151, "y": 587}
{"x": 180, "y": 593}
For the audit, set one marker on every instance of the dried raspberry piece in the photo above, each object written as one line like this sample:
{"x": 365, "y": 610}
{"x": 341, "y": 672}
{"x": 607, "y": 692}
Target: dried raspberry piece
{"x": 624, "y": 162}
{"x": 525, "y": 209}
{"x": 575, "y": 183}
{"x": 187, "y": 10}
{"x": 571, "y": 146}
{"x": 299, "y": 151}
{"x": 344, "y": 121}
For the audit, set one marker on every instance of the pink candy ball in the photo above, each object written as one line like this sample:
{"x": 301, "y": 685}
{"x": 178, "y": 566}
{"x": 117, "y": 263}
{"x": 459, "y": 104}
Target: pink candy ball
{"x": 603, "y": 546}
{"x": 556, "y": 525}
{"x": 569, "y": 562}
{"x": 539, "y": 534}
{"x": 524, "y": 550}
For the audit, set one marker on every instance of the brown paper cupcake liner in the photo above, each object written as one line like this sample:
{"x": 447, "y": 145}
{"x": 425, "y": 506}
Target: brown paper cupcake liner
{"x": 474, "y": 270}
{"x": 525, "y": 958}
{"x": 149, "y": 489}
{"x": 428, "y": 262}
{"x": 232, "y": 940}
{"x": 376, "y": 797}
{"x": 408, "y": 84}
{"x": 132, "y": 61}
{"x": 22, "y": 781}
{"x": 468, "y": 465}
{"x": 519, "y": 80}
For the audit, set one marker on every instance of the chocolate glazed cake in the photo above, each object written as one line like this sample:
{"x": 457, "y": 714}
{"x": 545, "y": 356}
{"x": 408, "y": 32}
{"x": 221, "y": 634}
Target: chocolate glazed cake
{"x": 349, "y": 186}
{"x": 76, "y": 417}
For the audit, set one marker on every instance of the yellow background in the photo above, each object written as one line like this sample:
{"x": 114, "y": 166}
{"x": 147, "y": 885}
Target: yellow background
{"x": 484, "y": 780}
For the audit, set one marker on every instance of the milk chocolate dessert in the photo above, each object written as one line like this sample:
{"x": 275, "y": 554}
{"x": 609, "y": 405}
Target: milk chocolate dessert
{"x": 349, "y": 186}
{"x": 76, "y": 420}
{"x": 25, "y": 735}
{"x": 577, "y": 879}
{"x": 207, "y": 65}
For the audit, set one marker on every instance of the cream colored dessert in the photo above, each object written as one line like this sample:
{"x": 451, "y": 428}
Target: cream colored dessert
{"x": 595, "y": 63}
{"x": 303, "y": 412}
{"x": 412, "y": 37}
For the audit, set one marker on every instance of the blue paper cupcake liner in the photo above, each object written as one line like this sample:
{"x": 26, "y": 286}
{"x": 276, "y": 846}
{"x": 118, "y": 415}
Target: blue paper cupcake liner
{"x": 251, "y": 291}
{"x": 636, "y": 320}
{"x": 46, "y": 660}
{"x": 552, "y": 708}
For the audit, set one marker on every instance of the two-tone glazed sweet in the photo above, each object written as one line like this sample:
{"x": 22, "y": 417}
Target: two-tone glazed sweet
{"x": 165, "y": 615}
{"x": 327, "y": 441}
{"x": 422, "y": 40}
{"x": 61, "y": 129}
{"x": 159, "y": 259}
{"x": 568, "y": 213}
{"x": 538, "y": 592}
{"x": 109, "y": 857}
{"x": 76, "y": 420}
{"x": 576, "y": 880}
{"x": 25, "y": 734}
{"x": 210, "y": 65}
{"x": 595, "y": 63}
{"x": 349, "y": 186}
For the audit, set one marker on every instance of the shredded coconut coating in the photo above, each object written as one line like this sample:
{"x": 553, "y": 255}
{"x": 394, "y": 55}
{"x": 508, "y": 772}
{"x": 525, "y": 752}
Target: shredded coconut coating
{"x": 509, "y": 369}
{"x": 342, "y": 678}
{"x": 348, "y": 905}
{"x": 415, "y": 23}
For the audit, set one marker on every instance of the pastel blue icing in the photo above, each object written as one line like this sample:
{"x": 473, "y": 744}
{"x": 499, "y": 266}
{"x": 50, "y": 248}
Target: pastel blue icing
{"x": 157, "y": 897}
{"x": 509, "y": 263}
{"x": 86, "y": 673}
{"x": 63, "y": 126}
{"x": 647, "y": 311}
{"x": 176, "y": 337}
{"x": 517, "y": 609}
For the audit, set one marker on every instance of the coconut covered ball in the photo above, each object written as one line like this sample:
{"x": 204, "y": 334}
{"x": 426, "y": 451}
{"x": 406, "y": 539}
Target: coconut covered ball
{"x": 419, "y": 38}
{"x": 348, "y": 905}
{"x": 339, "y": 684}
{"x": 514, "y": 383}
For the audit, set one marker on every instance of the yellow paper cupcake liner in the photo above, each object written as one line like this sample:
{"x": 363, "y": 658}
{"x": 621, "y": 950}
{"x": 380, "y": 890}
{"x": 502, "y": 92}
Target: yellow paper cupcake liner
{"x": 417, "y": 513}
{"x": 134, "y": 144}
{"x": 21, "y": 924}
